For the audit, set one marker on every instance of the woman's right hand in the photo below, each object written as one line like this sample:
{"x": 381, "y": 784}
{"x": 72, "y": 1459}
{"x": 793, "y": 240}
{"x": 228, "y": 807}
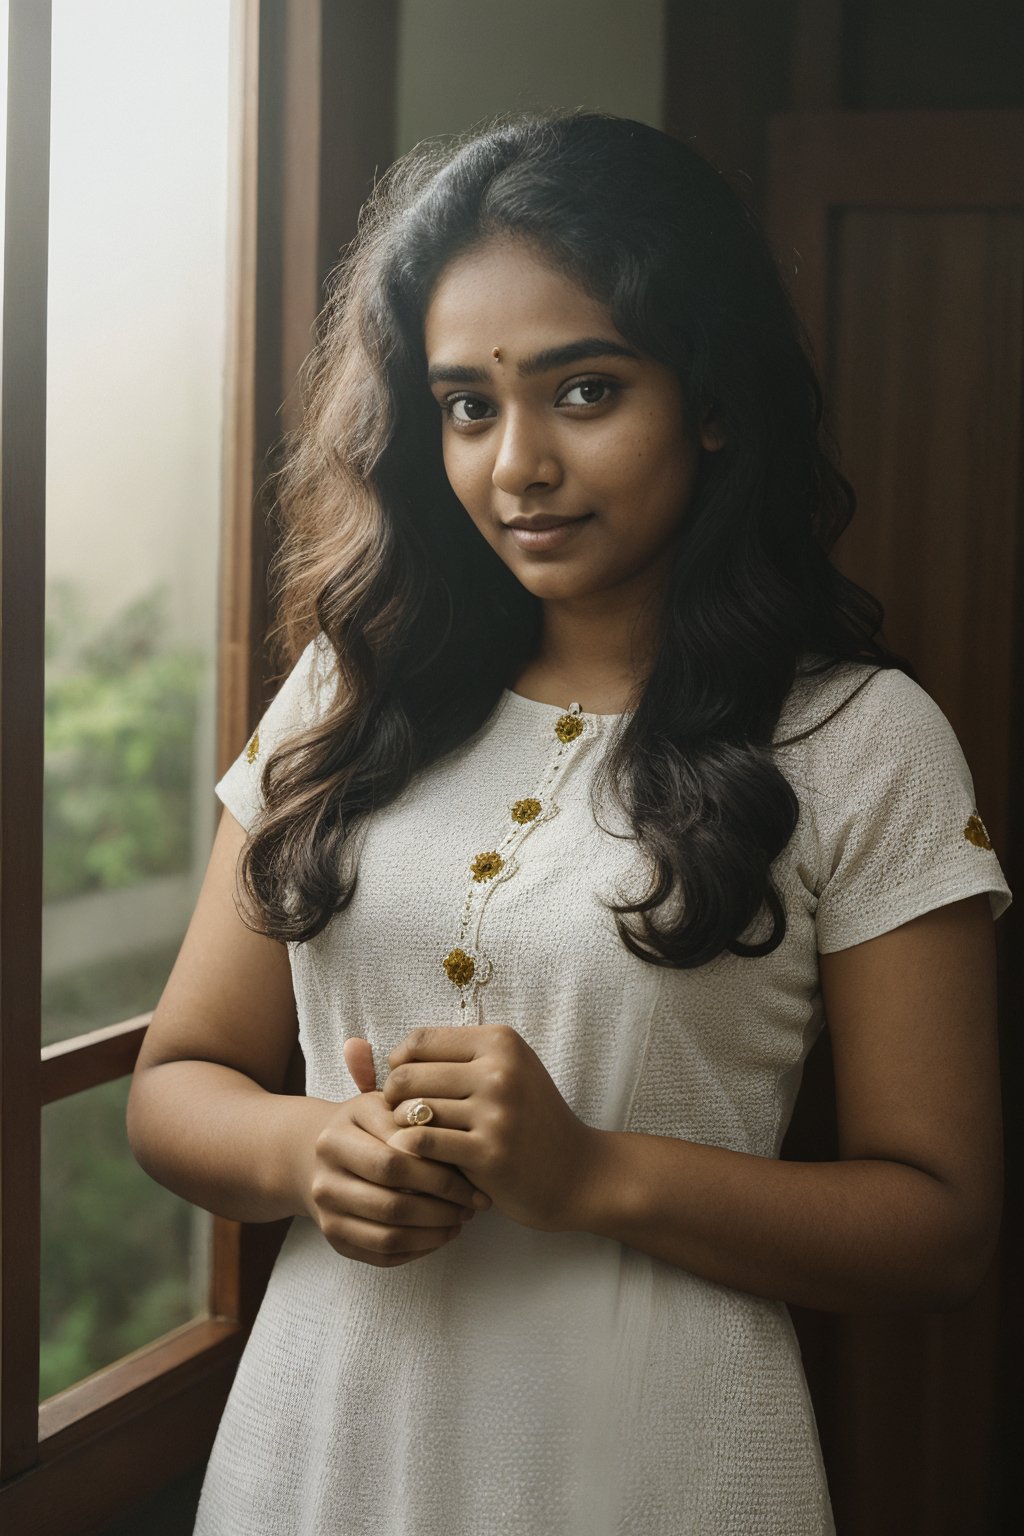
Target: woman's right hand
{"x": 216, "y": 1115}
{"x": 372, "y": 1202}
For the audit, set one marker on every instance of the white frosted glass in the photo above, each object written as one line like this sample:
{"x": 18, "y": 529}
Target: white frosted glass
{"x": 135, "y": 361}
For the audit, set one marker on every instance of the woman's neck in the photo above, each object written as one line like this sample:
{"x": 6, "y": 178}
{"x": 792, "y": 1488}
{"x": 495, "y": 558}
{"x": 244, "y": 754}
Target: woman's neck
{"x": 598, "y": 657}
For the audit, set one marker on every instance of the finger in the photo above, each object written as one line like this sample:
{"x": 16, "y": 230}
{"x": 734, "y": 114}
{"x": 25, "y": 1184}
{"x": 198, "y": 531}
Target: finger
{"x": 378, "y": 1238}
{"x": 452, "y": 1114}
{"x": 381, "y": 1260}
{"x": 437, "y": 1146}
{"x": 358, "y": 1055}
{"x": 370, "y": 1157}
{"x": 352, "y": 1196}
{"x": 429, "y": 1080}
{"x": 460, "y": 1042}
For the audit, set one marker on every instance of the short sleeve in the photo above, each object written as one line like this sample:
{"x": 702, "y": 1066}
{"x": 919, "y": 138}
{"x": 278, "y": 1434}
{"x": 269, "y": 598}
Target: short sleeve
{"x": 898, "y": 829}
{"x": 295, "y": 707}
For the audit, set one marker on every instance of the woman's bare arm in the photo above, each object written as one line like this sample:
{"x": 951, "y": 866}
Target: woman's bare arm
{"x": 907, "y": 1217}
{"x": 209, "y": 1117}
{"x": 208, "y": 1114}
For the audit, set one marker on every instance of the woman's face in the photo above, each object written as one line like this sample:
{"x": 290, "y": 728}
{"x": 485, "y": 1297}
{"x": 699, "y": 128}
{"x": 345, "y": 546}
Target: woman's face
{"x": 572, "y": 452}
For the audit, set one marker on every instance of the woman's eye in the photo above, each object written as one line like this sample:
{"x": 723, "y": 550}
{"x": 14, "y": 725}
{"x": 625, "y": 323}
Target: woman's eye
{"x": 589, "y": 392}
{"x": 466, "y": 409}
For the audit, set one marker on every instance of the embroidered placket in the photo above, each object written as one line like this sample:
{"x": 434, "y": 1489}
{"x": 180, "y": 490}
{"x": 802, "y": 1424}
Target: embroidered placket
{"x": 465, "y": 965}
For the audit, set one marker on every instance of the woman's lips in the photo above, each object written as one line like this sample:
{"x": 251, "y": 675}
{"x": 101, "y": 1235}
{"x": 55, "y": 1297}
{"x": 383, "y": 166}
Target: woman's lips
{"x": 552, "y": 537}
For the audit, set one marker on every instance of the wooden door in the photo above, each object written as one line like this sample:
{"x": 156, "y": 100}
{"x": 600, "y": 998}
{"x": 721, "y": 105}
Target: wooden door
{"x": 901, "y": 235}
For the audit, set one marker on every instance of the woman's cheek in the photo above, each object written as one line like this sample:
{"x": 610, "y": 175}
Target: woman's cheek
{"x": 467, "y": 481}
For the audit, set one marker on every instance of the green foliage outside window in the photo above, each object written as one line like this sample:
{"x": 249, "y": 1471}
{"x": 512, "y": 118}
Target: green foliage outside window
{"x": 121, "y": 706}
{"x": 122, "y": 702}
{"x": 116, "y": 1248}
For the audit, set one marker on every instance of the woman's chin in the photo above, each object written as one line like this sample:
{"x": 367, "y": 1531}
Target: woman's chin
{"x": 552, "y": 584}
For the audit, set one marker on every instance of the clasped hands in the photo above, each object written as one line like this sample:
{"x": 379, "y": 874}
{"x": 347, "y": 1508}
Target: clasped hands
{"x": 387, "y": 1192}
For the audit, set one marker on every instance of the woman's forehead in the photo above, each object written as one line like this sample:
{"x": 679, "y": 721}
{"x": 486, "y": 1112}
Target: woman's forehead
{"x": 510, "y": 287}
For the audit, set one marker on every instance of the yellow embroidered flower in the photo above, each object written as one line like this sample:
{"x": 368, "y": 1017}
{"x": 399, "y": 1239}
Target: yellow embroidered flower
{"x": 525, "y": 810}
{"x": 252, "y": 751}
{"x": 568, "y": 727}
{"x": 459, "y": 968}
{"x": 486, "y": 865}
{"x": 975, "y": 833}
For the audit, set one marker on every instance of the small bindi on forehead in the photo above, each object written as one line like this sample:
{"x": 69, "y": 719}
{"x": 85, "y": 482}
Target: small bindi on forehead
{"x": 587, "y": 349}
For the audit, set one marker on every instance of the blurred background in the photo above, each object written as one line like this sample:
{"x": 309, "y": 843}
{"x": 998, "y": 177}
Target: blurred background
{"x": 181, "y": 177}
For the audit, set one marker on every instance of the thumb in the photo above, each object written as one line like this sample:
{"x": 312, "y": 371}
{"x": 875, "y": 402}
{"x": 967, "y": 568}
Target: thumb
{"x": 359, "y": 1060}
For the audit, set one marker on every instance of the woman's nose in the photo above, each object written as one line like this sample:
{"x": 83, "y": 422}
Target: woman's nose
{"x": 525, "y": 459}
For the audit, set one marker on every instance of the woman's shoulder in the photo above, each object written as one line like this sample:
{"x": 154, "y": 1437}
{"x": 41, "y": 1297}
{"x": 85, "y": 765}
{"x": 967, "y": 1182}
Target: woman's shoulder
{"x": 855, "y": 738}
{"x": 859, "y": 706}
{"x": 307, "y": 691}
{"x": 889, "y": 824}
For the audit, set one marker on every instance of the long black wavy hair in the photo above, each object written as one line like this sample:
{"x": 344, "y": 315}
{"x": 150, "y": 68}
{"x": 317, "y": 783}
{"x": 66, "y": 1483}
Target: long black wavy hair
{"x": 427, "y": 624}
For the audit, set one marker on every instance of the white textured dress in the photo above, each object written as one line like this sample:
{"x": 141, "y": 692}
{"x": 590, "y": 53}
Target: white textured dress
{"x": 541, "y": 1384}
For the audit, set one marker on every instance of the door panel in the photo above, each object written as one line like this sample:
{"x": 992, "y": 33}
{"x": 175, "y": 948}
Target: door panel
{"x": 901, "y": 236}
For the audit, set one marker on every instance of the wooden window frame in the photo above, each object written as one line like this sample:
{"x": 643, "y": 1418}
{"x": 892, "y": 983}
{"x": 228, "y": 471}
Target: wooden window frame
{"x": 89, "y": 1453}
{"x": 311, "y": 124}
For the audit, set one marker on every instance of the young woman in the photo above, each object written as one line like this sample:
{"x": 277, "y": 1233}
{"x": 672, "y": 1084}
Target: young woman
{"x": 591, "y": 793}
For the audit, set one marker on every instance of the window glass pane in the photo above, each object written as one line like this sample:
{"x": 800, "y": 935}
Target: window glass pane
{"x": 137, "y": 312}
{"x": 123, "y": 1260}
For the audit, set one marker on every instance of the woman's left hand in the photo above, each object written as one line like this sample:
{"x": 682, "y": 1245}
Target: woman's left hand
{"x": 497, "y": 1116}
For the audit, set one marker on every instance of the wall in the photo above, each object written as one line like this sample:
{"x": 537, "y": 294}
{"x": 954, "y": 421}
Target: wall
{"x": 458, "y": 63}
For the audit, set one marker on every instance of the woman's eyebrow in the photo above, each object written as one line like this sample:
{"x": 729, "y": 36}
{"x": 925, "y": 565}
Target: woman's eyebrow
{"x": 574, "y": 352}
{"x": 456, "y": 373}
{"x": 552, "y": 357}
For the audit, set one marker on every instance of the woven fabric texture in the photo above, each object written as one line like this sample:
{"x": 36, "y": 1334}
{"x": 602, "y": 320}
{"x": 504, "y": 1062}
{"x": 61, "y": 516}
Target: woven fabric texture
{"x": 530, "y": 1383}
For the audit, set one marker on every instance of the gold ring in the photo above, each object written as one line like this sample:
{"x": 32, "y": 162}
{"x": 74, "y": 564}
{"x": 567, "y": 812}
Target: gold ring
{"x": 419, "y": 1113}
